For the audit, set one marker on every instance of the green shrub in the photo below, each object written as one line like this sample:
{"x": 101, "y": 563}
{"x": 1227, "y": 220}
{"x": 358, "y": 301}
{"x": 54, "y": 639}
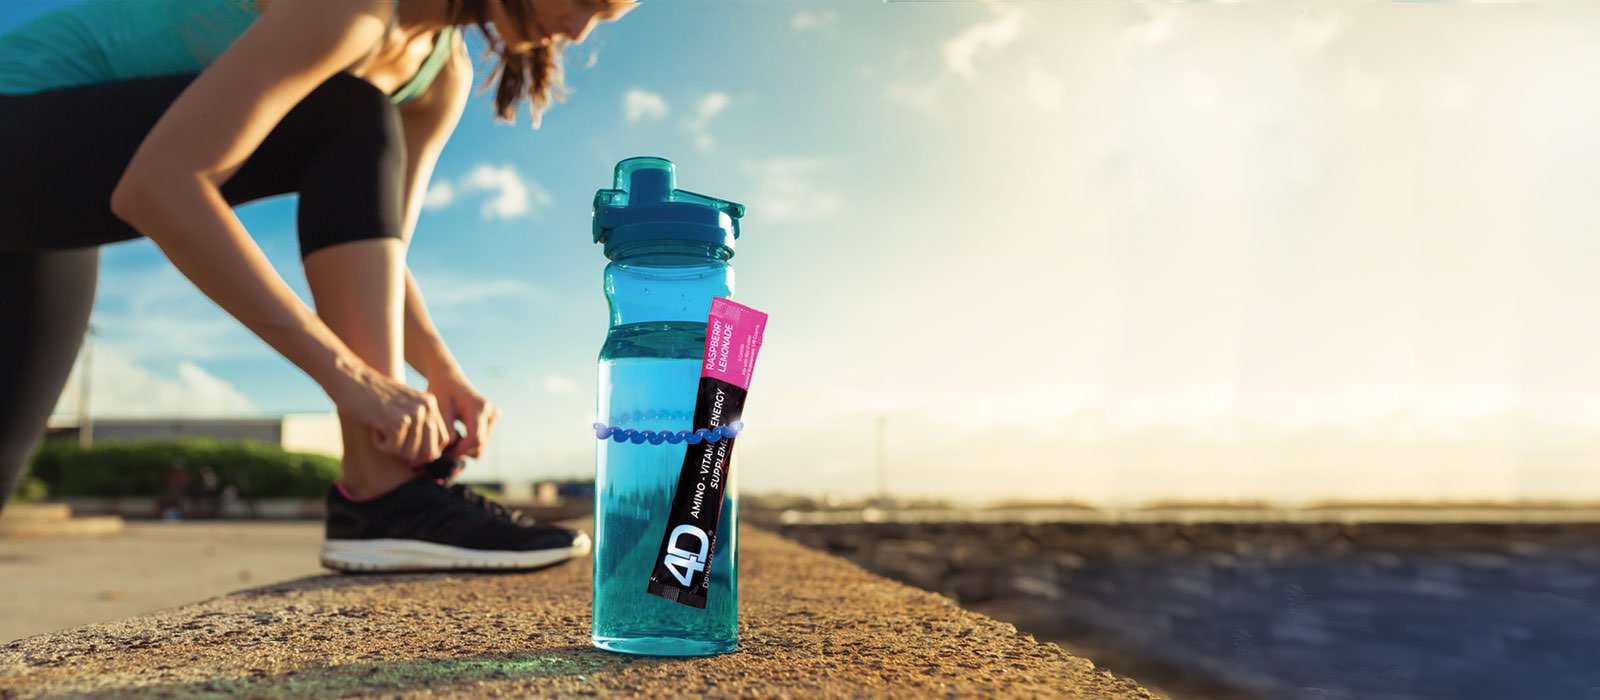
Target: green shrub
{"x": 31, "y": 490}
{"x": 139, "y": 467}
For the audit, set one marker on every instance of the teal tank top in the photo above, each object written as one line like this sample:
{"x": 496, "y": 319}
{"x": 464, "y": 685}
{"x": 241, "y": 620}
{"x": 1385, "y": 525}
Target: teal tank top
{"x": 101, "y": 41}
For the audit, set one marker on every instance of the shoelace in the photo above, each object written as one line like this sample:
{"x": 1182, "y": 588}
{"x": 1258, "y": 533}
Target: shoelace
{"x": 493, "y": 507}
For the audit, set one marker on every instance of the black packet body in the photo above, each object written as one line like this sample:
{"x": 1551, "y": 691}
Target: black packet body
{"x": 683, "y": 569}
{"x": 682, "y": 572}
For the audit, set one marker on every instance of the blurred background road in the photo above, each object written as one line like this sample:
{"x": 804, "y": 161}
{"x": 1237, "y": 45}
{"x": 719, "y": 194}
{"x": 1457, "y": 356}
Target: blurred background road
{"x": 49, "y": 584}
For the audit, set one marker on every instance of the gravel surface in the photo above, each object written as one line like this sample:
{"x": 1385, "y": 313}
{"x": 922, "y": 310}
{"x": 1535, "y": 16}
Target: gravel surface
{"x": 811, "y": 625}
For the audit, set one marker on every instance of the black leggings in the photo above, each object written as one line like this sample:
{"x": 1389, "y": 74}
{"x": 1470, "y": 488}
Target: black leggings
{"x": 63, "y": 151}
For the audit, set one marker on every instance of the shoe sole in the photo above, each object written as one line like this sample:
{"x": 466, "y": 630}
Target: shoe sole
{"x": 416, "y": 555}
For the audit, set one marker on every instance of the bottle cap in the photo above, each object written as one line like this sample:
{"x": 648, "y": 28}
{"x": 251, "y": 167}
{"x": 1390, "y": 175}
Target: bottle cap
{"x": 644, "y": 205}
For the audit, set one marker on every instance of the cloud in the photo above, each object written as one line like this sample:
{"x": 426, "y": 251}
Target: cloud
{"x": 558, "y": 384}
{"x": 465, "y": 299}
{"x": 921, "y": 98}
{"x": 640, "y": 104}
{"x": 961, "y": 52}
{"x": 157, "y": 313}
{"x": 121, "y": 387}
{"x": 444, "y": 294}
{"x": 708, "y": 107}
{"x": 960, "y": 58}
{"x": 1043, "y": 89}
{"x": 789, "y": 189}
{"x": 510, "y": 195}
{"x": 806, "y": 21}
{"x": 440, "y": 195}
{"x": 1160, "y": 25}
{"x": 711, "y": 104}
{"x": 1312, "y": 31}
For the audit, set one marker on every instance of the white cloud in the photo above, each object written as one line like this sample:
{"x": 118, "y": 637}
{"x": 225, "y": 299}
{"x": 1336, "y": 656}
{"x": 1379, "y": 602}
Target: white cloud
{"x": 788, "y": 189}
{"x": 711, "y": 104}
{"x": 961, "y": 52}
{"x": 708, "y": 107}
{"x": 440, "y": 194}
{"x": 121, "y": 387}
{"x": 806, "y": 21}
{"x": 1043, "y": 89}
{"x": 156, "y": 312}
{"x": 1311, "y": 31}
{"x": 465, "y": 300}
{"x": 960, "y": 58}
{"x": 559, "y": 384}
{"x": 511, "y": 196}
{"x": 640, "y": 104}
{"x": 442, "y": 294}
{"x": 1158, "y": 28}
{"x": 923, "y": 98}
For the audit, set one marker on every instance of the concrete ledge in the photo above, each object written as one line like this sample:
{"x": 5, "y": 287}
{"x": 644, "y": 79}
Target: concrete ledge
{"x": 43, "y": 520}
{"x": 278, "y": 508}
{"x": 91, "y": 526}
{"x": 812, "y": 625}
{"x": 145, "y": 507}
{"x": 35, "y": 512}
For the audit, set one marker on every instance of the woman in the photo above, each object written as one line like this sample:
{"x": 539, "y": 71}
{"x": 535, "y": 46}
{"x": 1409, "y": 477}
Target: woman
{"x": 121, "y": 118}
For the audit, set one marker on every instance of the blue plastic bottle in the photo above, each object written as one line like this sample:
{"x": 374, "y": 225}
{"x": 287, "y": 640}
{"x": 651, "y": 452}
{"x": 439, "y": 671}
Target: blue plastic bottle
{"x": 669, "y": 252}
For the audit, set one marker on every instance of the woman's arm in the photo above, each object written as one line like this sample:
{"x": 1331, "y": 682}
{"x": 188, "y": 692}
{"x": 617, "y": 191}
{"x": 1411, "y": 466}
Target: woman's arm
{"x": 427, "y": 123}
{"x": 170, "y": 193}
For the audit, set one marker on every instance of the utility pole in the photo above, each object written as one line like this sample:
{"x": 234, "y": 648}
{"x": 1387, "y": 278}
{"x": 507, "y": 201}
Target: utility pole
{"x": 883, "y": 457}
{"x": 85, "y": 371}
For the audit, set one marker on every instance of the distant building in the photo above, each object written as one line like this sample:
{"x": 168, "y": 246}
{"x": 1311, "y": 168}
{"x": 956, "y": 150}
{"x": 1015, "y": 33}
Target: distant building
{"x": 317, "y": 433}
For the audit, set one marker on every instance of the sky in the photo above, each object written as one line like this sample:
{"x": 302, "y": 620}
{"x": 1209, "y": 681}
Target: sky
{"x": 1113, "y": 252}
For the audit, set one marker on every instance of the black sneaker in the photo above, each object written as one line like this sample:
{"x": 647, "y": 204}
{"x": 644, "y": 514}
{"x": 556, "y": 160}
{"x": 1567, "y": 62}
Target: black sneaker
{"x": 425, "y": 525}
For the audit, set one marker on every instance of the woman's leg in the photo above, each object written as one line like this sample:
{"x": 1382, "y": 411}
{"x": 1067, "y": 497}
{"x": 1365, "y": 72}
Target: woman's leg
{"x": 358, "y": 288}
{"x": 343, "y": 147}
{"x": 61, "y": 152}
{"x": 45, "y": 300}
{"x": 351, "y": 166}
{"x": 351, "y": 209}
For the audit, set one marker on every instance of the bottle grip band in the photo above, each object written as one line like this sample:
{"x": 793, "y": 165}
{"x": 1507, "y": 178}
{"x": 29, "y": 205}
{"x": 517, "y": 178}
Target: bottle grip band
{"x": 656, "y": 437}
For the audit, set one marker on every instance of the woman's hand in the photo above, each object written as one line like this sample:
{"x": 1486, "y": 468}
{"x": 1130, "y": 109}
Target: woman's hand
{"x": 405, "y": 422}
{"x": 458, "y": 400}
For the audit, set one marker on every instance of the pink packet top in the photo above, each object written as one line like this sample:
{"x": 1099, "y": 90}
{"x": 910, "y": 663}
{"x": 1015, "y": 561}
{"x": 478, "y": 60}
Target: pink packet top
{"x": 733, "y": 336}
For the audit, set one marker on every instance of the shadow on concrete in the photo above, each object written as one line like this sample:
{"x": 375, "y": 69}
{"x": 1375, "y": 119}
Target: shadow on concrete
{"x": 338, "y": 581}
{"x": 382, "y": 677}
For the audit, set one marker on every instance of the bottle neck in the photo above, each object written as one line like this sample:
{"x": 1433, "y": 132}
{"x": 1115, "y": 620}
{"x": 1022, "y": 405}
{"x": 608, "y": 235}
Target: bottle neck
{"x": 670, "y": 253}
{"x": 666, "y": 282}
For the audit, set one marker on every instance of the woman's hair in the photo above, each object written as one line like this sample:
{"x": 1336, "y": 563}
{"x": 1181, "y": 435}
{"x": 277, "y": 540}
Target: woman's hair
{"x": 535, "y": 74}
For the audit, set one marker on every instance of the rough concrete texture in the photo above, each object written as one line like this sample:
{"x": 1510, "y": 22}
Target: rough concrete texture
{"x": 811, "y": 625}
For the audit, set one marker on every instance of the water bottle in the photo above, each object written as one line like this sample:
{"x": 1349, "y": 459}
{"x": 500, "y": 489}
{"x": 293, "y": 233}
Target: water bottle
{"x": 669, "y": 252}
